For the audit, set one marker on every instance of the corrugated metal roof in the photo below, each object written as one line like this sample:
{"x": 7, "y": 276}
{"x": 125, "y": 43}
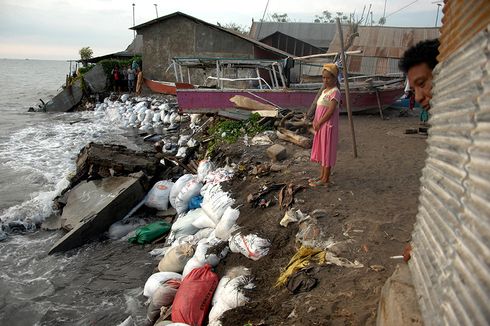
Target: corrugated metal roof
{"x": 317, "y": 34}
{"x": 382, "y": 47}
{"x": 382, "y": 41}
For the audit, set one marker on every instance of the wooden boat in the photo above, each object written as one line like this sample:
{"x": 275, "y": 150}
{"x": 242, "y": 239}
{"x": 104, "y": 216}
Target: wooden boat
{"x": 163, "y": 87}
{"x": 214, "y": 100}
{"x": 365, "y": 91}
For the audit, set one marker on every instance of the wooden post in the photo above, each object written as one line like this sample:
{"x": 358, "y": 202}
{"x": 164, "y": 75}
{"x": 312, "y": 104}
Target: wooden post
{"x": 346, "y": 85}
{"x": 379, "y": 104}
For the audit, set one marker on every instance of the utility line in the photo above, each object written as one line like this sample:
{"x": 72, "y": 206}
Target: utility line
{"x": 394, "y": 12}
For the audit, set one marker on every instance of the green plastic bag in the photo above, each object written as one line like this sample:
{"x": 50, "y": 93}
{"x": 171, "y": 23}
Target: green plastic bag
{"x": 150, "y": 232}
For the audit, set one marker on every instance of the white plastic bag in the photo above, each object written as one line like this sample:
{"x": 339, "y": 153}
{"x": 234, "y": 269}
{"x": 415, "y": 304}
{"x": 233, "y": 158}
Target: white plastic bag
{"x": 177, "y": 187}
{"x": 205, "y": 167}
{"x": 251, "y": 245}
{"x": 191, "y": 188}
{"x": 226, "y": 224}
{"x": 156, "y": 279}
{"x": 215, "y": 201}
{"x": 159, "y": 195}
{"x": 202, "y": 220}
{"x": 192, "y": 264}
{"x": 183, "y": 226}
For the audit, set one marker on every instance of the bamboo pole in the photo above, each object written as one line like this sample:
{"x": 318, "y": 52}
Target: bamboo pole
{"x": 346, "y": 86}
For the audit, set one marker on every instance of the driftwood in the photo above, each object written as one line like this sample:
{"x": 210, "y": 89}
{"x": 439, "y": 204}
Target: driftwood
{"x": 291, "y": 137}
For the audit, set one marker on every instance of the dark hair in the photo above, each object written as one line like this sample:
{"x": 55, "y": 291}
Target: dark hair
{"x": 425, "y": 51}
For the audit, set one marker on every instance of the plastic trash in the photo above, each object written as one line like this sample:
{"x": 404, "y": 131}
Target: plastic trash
{"x": 121, "y": 228}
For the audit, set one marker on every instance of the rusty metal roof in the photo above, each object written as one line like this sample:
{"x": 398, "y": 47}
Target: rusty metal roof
{"x": 387, "y": 42}
{"x": 461, "y": 21}
{"x": 317, "y": 34}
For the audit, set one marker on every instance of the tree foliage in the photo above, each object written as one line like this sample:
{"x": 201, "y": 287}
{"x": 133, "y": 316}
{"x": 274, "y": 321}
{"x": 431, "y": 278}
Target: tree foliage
{"x": 280, "y": 18}
{"x": 86, "y": 53}
{"x": 236, "y": 28}
{"x": 328, "y": 17}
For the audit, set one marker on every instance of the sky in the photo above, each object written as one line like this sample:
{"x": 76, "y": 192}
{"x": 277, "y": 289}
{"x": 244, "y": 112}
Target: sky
{"x": 58, "y": 29}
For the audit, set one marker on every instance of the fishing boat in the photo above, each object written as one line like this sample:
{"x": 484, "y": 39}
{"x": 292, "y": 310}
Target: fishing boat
{"x": 163, "y": 87}
{"x": 265, "y": 81}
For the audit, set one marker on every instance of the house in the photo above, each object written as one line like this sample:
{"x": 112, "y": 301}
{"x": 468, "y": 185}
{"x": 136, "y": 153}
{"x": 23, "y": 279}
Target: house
{"x": 290, "y": 44}
{"x": 181, "y": 35}
{"x": 316, "y": 34}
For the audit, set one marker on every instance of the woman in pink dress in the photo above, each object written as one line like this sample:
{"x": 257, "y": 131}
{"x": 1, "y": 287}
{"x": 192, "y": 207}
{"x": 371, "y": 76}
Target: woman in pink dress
{"x": 326, "y": 125}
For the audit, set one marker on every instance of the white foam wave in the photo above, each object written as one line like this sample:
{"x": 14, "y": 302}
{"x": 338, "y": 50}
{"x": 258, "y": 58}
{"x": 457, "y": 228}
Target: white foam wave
{"x": 46, "y": 154}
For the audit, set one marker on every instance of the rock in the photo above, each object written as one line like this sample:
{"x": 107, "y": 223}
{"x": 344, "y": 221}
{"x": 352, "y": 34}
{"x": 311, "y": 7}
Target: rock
{"x": 277, "y": 152}
{"x": 3, "y": 235}
{"x": 278, "y": 167}
{"x": 398, "y": 302}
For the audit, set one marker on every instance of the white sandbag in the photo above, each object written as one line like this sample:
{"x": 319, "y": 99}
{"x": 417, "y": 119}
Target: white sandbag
{"x": 215, "y": 201}
{"x": 202, "y": 254}
{"x": 156, "y": 279}
{"x": 176, "y": 258}
{"x": 162, "y": 297}
{"x": 229, "y": 295}
{"x": 226, "y": 224}
{"x": 250, "y": 245}
{"x": 191, "y": 264}
{"x": 204, "y": 167}
{"x": 203, "y": 233}
{"x": 183, "y": 226}
{"x": 191, "y": 188}
{"x": 202, "y": 220}
{"x": 177, "y": 187}
{"x": 159, "y": 195}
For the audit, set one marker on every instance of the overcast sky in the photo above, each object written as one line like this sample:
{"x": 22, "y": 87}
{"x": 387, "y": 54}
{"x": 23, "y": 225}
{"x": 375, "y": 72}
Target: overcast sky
{"x": 57, "y": 29}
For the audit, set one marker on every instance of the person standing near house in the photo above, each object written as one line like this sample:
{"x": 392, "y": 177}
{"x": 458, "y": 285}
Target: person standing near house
{"x": 116, "y": 78}
{"x": 418, "y": 62}
{"x": 124, "y": 80}
{"x": 139, "y": 81}
{"x": 131, "y": 78}
{"x": 326, "y": 125}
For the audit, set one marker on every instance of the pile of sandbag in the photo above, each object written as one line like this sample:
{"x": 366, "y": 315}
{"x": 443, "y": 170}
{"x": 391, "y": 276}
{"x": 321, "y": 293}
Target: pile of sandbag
{"x": 199, "y": 239}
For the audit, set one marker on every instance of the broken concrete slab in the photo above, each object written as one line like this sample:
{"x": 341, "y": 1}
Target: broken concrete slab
{"x": 277, "y": 152}
{"x": 93, "y": 206}
{"x": 66, "y": 100}
{"x": 96, "y": 79}
{"x": 398, "y": 301}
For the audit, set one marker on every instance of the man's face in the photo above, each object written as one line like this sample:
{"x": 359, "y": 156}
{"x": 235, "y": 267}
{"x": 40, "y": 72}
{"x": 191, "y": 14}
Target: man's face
{"x": 420, "y": 79}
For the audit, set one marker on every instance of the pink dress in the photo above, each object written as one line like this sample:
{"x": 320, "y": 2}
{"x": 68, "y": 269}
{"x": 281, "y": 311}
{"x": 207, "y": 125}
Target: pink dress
{"x": 324, "y": 150}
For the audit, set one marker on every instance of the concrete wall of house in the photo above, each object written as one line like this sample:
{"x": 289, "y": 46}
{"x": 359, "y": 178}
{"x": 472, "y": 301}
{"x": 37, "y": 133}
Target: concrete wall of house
{"x": 450, "y": 262}
{"x": 183, "y": 37}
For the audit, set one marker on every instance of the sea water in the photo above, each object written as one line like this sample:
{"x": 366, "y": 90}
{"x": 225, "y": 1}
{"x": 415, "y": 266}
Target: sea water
{"x": 37, "y": 154}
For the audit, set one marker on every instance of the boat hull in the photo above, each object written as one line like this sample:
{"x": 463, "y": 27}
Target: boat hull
{"x": 169, "y": 88}
{"x": 212, "y": 100}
